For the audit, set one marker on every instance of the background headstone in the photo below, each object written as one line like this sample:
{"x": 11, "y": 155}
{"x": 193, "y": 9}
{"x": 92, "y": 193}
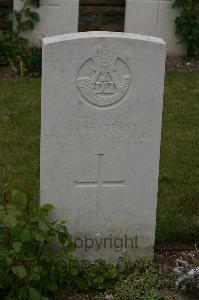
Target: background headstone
{"x": 56, "y": 17}
{"x": 102, "y": 97}
{"x": 154, "y": 18}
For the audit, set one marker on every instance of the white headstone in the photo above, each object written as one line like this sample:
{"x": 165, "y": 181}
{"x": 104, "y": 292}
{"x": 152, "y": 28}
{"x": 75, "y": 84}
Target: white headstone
{"x": 102, "y": 97}
{"x": 56, "y": 17}
{"x": 155, "y": 18}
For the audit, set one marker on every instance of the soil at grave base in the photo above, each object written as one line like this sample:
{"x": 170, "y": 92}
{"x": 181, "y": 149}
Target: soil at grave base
{"x": 171, "y": 295}
{"x": 7, "y": 73}
{"x": 167, "y": 258}
{"x": 182, "y": 63}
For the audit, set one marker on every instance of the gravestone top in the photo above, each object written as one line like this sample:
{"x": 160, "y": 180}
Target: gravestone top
{"x": 102, "y": 96}
{"x": 101, "y": 34}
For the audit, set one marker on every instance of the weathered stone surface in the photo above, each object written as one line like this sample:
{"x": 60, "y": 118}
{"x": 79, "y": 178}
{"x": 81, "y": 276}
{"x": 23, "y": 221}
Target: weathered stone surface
{"x": 155, "y": 18}
{"x": 102, "y": 97}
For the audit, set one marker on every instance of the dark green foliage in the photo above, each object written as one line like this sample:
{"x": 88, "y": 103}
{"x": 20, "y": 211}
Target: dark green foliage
{"x": 33, "y": 61}
{"x": 187, "y": 24}
{"x": 25, "y": 18}
{"x": 16, "y": 52}
{"x": 96, "y": 276}
{"x": 29, "y": 267}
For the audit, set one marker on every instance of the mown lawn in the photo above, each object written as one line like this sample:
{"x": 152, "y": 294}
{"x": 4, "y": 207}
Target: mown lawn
{"x": 178, "y": 200}
{"x": 178, "y": 205}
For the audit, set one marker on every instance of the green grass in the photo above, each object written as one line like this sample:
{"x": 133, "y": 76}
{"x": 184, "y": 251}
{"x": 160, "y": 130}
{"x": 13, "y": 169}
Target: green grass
{"x": 19, "y": 135}
{"x": 178, "y": 205}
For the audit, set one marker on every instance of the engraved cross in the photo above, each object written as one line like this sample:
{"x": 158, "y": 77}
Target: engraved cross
{"x": 100, "y": 182}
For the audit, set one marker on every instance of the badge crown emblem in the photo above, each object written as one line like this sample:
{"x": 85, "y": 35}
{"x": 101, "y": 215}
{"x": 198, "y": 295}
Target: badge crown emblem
{"x": 104, "y": 79}
{"x": 104, "y": 58}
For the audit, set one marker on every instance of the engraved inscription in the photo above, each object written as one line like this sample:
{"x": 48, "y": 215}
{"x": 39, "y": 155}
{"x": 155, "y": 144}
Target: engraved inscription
{"x": 99, "y": 184}
{"x": 121, "y": 131}
{"x": 104, "y": 79}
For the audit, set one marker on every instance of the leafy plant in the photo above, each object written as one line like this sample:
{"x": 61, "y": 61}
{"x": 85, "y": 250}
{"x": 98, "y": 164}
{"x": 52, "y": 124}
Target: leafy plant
{"x": 25, "y": 18}
{"x": 16, "y": 52}
{"x": 187, "y": 24}
{"x": 30, "y": 269}
{"x": 96, "y": 276}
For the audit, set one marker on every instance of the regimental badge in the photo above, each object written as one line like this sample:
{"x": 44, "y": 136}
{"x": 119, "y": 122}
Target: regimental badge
{"x": 104, "y": 79}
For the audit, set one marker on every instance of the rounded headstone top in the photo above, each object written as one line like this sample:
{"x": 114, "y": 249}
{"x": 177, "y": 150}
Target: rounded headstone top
{"x": 102, "y": 34}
